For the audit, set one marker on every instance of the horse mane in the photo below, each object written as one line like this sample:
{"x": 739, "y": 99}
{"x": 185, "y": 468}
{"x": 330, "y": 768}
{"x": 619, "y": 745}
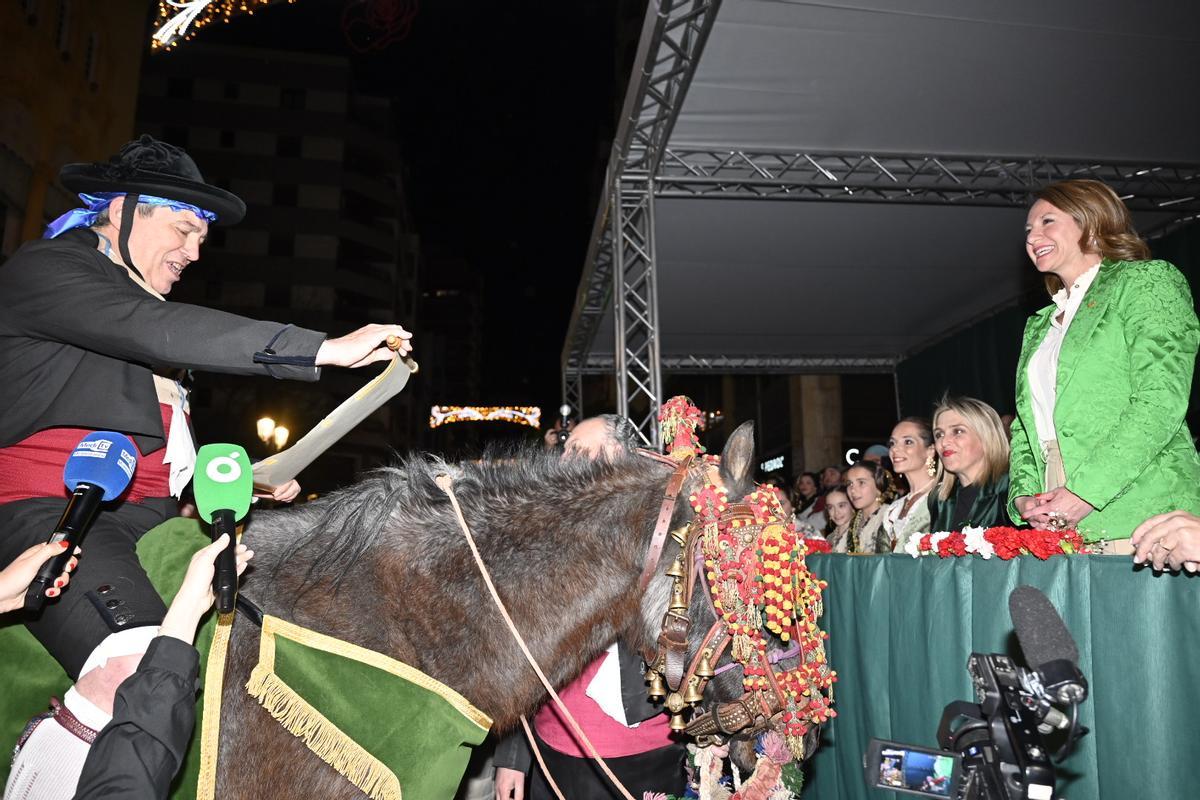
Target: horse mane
{"x": 498, "y": 493}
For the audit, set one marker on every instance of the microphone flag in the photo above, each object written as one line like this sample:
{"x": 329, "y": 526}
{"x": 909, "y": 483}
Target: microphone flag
{"x": 224, "y": 486}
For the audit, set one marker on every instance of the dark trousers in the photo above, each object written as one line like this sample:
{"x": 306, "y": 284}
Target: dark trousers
{"x": 659, "y": 770}
{"x": 108, "y": 591}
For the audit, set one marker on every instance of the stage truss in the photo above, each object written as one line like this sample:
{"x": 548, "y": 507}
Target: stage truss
{"x": 602, "y": 364}
{"x": 620, "y": 262}
{"x": 620, "y": 265}
{"x": 920, "y": 178}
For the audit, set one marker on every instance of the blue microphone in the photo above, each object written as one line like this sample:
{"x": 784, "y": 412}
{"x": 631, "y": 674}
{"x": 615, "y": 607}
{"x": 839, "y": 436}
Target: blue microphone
{"x": 98, "y": 470}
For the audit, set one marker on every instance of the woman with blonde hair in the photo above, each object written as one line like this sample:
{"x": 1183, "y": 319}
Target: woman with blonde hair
{"x": 973, "y": 447}
{"x": 1099, "y": 442}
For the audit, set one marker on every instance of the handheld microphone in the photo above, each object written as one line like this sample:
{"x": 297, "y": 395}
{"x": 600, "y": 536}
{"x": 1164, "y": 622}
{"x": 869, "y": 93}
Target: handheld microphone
{"x": 98, "y": 470}
{"x": 1047, "y": 645}
{"x": 223, "y": 485}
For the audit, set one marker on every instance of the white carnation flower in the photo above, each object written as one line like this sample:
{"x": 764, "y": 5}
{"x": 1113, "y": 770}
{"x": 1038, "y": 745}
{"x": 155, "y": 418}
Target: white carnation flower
{"x": 976, "y": 543}
{"x": 913, "y": 545}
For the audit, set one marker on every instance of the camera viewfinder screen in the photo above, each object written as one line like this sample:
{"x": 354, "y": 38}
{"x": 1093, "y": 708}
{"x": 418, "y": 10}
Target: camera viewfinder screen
{"x": 916, "y": 771}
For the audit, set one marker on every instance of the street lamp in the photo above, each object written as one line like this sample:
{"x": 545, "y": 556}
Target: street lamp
{"x": 270, "y": 433}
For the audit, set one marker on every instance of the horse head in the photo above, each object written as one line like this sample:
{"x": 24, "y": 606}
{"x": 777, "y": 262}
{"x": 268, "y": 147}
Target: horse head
{"x": 732, "y": 613}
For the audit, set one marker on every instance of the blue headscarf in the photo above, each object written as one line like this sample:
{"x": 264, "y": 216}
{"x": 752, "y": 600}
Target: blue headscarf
{"x": 95, "y": 203}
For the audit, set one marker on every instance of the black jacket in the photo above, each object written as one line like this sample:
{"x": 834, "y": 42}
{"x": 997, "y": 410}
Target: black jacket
{"x": 79, "y": 339}
{"x": 138, "y": 753}
{"x": 988, "y": 510}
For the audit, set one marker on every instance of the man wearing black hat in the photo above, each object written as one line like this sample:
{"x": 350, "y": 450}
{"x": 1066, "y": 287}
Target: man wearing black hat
{"x": 85, "y": 336}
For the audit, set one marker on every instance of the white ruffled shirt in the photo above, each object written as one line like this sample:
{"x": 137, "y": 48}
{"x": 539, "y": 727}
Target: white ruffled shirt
{"x": 180, "y": 452}
{"x": 605, "y": 688}
{"x": 1043, "y": 366}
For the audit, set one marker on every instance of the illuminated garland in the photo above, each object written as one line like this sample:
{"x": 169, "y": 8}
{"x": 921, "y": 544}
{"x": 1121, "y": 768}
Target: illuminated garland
{"x": 180, "y": 20}
{"x": 521, "y": 415}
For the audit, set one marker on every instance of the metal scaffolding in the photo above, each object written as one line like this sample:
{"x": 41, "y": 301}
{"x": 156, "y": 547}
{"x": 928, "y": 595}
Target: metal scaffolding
{"x": 620, "y": 267}
{"x": 639, "y": 379}
{"x": 592, "y": 299}
{"x": 602, "y": 364}
{"x": 622, "y": 258}
{"x": 924, "y": 178}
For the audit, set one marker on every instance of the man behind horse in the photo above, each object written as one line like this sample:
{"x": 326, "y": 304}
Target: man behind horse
{"x": 88, "y": 344}
{"x": 608, "y": 699}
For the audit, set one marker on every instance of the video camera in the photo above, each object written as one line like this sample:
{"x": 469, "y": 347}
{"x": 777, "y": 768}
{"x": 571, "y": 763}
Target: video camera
{"x": 997, "y": 748}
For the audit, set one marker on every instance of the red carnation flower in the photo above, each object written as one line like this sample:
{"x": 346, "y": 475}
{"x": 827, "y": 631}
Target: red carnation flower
{"x": 953, "y": 545}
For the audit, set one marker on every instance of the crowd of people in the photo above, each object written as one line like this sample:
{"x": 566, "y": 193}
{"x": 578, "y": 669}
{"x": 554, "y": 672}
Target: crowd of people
{"x": 947, "y": 475}
{"x": 1098, "y": 443}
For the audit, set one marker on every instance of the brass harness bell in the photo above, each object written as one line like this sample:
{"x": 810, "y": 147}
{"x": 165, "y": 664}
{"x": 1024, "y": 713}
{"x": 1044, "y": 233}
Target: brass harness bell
{"x": 704, "y": 668}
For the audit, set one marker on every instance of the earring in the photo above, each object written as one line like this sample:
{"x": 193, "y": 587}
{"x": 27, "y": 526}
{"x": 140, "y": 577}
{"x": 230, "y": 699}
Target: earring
{"x": 931, "y": 466}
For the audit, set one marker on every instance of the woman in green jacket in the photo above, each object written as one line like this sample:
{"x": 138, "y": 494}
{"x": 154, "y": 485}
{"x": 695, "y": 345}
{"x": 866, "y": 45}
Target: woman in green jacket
{"x": 1100, "y": 443}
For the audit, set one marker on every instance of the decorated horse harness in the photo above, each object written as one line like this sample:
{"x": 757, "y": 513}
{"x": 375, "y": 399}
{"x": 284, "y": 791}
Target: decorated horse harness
{"x": 750, "y": 562}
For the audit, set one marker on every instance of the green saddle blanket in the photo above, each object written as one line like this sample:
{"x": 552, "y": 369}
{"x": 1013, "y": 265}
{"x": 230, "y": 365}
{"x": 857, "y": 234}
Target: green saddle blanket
{"x": 396, "y": 733}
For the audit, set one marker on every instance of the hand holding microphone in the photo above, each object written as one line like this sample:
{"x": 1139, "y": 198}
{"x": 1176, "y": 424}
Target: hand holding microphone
{"x": 15, "y": 578}
{"x": 98, "y": 470}
{"x": 223, "y": 485}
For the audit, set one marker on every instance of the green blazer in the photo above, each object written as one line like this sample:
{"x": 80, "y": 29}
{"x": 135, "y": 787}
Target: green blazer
{"x": 1124, "y": 377}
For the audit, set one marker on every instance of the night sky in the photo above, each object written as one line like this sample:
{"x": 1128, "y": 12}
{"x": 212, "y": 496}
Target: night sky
{"x": 505, "y": 112}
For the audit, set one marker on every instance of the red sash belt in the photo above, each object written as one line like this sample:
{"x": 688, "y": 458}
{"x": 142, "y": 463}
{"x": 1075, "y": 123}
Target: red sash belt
{"x": 33, "y": 467}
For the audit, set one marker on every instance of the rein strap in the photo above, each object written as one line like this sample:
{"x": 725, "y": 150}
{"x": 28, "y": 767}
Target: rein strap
{"x": 663, "y": 525}
{"x": 446, "y": 484}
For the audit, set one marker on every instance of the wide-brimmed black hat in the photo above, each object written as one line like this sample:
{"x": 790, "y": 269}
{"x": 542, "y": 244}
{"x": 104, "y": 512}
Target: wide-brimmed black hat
{"x": 150, "y": 167}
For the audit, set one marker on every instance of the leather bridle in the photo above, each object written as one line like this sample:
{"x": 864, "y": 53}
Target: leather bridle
{"x": 665, "y": 512}
{"x": 669, "y": 668}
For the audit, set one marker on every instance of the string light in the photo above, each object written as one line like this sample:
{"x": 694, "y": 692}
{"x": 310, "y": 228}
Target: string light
{"x": 521, "y": 415}
{"x": 180, "y": 20}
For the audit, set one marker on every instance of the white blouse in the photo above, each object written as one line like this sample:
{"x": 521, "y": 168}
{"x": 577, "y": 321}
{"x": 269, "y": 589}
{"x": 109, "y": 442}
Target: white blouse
{"x": 1043, "y": 366}
{"x": 900, "y": 528}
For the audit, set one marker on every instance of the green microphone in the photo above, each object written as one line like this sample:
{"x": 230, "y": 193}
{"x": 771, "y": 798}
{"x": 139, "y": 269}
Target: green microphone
{"x": 224, "y": 485}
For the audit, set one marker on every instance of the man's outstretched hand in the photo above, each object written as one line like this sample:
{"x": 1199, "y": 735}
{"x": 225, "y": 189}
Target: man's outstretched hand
{"x": 364, "y": 346}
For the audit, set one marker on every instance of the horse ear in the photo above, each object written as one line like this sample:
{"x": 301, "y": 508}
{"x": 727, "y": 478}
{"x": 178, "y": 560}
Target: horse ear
{"x": 737, "y": 461}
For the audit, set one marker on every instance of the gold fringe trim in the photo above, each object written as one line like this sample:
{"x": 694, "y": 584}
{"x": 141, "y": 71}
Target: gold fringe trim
{"x": 322, "y": 737}
{"x": 214, "y": 680}
{"x": 273, "y": 626}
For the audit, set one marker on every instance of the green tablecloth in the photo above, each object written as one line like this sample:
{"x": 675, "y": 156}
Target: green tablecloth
{"x": 900, "y": 630}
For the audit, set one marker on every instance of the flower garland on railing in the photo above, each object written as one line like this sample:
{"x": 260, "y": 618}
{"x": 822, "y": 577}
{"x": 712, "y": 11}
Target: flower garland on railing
{"x": 1002, "y": 542}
